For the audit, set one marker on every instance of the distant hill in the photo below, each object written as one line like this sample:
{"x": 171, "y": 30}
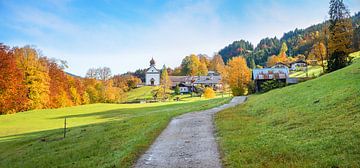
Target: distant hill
{"x": 299, "y": 41}
{"x": 311, "y": 124}
{"x": 75, "y": 76}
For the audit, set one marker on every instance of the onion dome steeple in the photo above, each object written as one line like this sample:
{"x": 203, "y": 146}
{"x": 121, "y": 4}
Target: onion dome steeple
{"x": 152, "y": 62}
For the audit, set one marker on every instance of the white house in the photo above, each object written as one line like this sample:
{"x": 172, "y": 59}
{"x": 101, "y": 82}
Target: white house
{"x": 299, "y": 65}
{"x": 152, "y": 75}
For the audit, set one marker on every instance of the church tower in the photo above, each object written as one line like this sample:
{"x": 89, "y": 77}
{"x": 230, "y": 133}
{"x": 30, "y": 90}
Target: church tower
{"x": 152, "y": 75}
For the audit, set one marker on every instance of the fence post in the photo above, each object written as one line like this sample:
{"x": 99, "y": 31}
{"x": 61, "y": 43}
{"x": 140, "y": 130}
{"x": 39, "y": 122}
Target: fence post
{"x": 65, "y": 127}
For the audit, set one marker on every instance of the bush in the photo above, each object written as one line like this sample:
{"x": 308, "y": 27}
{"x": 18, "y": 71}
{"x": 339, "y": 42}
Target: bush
{"x": 209, "y": 93}
{"x": 251, "y": 88}
{"x": 238, "y": 91}
{"x": 177, "y": 90}
{"x": 271, "y": 84}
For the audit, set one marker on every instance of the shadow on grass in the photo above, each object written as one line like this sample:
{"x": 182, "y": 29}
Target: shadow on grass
{"x": 117, "y": 141}
{"x": 121, "y": 114}
{"x": 141, "y": 111}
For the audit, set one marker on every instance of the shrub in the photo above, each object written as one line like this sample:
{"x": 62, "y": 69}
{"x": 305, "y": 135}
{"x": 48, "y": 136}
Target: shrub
{"x": 209, "y": 93}
{"x": 271, "y": 84}
{"x": 177, "y": 90}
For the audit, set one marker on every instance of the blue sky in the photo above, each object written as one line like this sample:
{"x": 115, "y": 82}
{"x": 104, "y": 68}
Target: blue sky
{"x": 124, "y": 35}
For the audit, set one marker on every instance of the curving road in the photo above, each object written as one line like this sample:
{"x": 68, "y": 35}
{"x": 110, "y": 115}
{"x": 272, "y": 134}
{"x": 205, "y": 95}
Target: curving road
{"x": 188, "y": 141}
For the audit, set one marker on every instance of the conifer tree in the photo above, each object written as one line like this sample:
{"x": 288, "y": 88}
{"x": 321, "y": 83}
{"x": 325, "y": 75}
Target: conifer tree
{"x": 340, "y": 37}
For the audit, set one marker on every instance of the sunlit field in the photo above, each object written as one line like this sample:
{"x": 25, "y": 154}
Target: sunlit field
{"x": 98, "y": 135}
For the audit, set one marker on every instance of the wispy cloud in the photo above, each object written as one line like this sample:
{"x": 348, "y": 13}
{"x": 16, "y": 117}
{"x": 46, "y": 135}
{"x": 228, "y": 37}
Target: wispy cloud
{"x": 91, "y": 36}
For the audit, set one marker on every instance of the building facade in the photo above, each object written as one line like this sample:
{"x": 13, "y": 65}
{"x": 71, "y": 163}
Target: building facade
{"x": 152, "y": 75}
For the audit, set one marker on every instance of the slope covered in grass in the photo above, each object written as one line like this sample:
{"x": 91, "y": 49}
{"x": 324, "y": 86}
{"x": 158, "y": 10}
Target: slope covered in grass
{"x": 313, "y": 71}
{"x": 140, "y": 93}
{"x": 99, "y": 135}
{"x": 311, "y": 124}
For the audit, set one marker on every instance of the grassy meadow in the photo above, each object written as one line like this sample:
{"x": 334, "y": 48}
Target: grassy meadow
{"x": 99, "y": 135}
{"x": 140, "y": 93}
{"x": 313, "y": 71}
{"x": 311, "y": 124}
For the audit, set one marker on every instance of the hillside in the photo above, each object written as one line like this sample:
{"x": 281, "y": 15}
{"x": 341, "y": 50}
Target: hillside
{"x": 140, "y": 93}
{"x": 299, "y": 42}
{"x": 311, "y": 124}
{"x": 99, "y": 135}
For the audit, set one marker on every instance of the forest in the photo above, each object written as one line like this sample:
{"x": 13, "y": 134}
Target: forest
{"x": 300, "y": 42}
{"x": 30, "y": 81}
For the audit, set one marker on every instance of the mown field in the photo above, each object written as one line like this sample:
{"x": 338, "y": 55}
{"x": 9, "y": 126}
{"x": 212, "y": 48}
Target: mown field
{"x": 311, "y": 124}
{"x": 99, "y": 135}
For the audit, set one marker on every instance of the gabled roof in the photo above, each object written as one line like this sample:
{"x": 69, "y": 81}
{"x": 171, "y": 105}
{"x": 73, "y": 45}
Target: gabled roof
{"x": 147, "y": 70}
{"x": 299, "y": 61}
{"x": 195, "y": 79}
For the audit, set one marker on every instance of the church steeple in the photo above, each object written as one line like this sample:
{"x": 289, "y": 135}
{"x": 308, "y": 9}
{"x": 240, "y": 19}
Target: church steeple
{"x": 152, "y": 62}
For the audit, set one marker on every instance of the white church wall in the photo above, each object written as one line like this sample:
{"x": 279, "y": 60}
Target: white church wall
{"x": 150, "y": 76}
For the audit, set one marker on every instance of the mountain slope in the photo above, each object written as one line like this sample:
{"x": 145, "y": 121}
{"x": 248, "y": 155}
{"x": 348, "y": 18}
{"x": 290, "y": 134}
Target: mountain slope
{"x": 311, "y": 124}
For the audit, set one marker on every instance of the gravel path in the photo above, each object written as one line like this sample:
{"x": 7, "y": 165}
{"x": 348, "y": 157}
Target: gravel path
{"x": 188, "y": 141}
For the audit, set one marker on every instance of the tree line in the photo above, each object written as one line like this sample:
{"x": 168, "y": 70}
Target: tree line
{"x": 29, "y": 80}
{"x": 316, "y": 42}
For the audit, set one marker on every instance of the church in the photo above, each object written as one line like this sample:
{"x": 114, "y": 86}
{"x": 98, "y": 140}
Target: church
{"x": 152, "y": 75}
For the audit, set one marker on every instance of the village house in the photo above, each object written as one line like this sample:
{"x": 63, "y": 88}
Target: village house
{"x": 280, "y": 65}
{"x": 265, "y": 74}
{"x": 299, "y": 65}
{"x": 187, "y": 83}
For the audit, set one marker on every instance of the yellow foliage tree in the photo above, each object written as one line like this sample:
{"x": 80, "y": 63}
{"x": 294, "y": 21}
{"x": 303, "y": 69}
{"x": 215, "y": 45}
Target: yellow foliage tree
{"x": 194, "y": 65}
{"x": 272, "y": 61}
{"x": 36, "y": 77}
{"x": 209, "y": 93}
{"x": 238, "y": 75}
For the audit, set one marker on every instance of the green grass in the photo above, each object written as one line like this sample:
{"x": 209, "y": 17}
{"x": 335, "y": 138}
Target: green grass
{"x": 355, "y": 55}
{"x": 140, "y": 93}
{"x": 99, "y": 135}
{"x": 313, "y": 71}
{"x": 311, "y": 124}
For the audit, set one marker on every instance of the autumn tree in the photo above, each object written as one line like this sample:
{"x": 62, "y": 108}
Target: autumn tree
{"x": 165, "y": 84}
{"x": 36, "y": 77}
{"x": 12, "y": 90}
{"x": 125, "y": 82}
{"x": 318, "y": 52}
{"x": 216, "y": 63}
{"x": 238, "y": 75}
{"x": 194, "y": 65}
{"x": 59, "y": 88}
{"x": 272, "y": 61}
{"x": 203, "y": 70}
{"x": 340, "y": 35}
{"x": 282, "y": 57}
{"x": 204, "y": 59}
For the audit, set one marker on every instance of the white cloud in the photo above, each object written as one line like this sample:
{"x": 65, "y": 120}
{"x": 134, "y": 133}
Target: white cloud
{"x": 185, "y": 28}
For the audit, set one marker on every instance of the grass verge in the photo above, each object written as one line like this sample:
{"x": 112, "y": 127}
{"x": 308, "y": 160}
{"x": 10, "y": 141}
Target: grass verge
{"x": 311, "y": 124}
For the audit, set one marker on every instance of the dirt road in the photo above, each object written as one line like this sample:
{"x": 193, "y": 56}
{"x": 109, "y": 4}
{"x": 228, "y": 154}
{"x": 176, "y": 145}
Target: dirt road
{"x": 188, "y": 141}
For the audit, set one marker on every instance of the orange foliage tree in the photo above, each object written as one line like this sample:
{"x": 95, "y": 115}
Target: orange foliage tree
{"x": 238, "y": 75}
{"x": 12, "y": 90}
